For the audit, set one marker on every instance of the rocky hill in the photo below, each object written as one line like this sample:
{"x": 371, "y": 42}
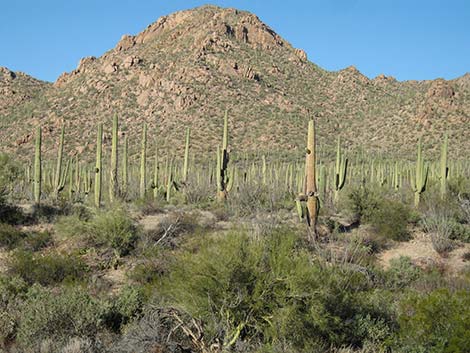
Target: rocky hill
{"x": 187, "y": 68}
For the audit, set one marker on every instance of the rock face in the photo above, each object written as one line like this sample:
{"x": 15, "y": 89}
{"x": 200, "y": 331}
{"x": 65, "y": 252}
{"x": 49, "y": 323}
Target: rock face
{"x": 187, "y": 68}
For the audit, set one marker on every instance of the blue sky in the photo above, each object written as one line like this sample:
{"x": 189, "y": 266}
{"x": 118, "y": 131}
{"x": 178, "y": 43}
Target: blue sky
{"x": 407, "y": 39}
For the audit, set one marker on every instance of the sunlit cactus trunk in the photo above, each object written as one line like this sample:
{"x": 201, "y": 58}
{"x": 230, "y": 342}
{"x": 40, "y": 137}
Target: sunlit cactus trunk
{"x": 37, "y": 167}
{"x": 113, "y": 177}
{"x": 143, "y": 163}
{"x": 98, "y": 165}
{"x": 311, "y": 187}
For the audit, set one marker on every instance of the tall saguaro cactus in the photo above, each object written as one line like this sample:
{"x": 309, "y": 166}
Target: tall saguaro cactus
{"x": 222, "y": 164}
{"x": 113, "y": 178}
{"x": 59, "y": 177}
{"x": 310, "y": 170}
{"x": 98, "y": 166}
{"x": 444, "y": 170}
{"x": 125, "y": 163}
{"x": 186, "y": 156}
{"x": 37, "y": 167}
{"x": 341, "y": 166}
{"x": 419, "y": 181}
{"x": 143, "y": 163}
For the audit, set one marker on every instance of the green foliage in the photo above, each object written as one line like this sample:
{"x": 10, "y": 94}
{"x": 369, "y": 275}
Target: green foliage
{"x": 12, "y": 290}
{"x": 124, "y": 308}
{"x": 47, "y": 314}
{"x": 9, "y": 172}
{"x": 269, "y": 290}
{"x": 402, "y": 273}
{"x": 36, "y": 241}
{"x": 47, "y": 269}
{"x": 113, "y": 228}
{"x": 438, "y": 322}
{"x": 10, "y": 236}
{"x": 390, "y": 220}
{"x": 362, "y": 202}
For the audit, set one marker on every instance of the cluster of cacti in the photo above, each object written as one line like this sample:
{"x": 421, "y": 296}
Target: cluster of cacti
{"x": 316, "y": 179}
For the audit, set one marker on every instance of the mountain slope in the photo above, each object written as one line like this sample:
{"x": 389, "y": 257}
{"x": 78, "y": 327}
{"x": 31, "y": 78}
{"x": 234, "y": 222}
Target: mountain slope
{"x": 187, "y": 68}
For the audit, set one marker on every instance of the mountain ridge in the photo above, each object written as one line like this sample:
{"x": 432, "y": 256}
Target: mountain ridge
{"x": 187, "y": 68}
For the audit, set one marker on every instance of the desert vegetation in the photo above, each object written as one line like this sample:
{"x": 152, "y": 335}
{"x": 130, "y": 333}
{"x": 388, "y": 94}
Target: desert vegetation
{"x": 150, "y": 251}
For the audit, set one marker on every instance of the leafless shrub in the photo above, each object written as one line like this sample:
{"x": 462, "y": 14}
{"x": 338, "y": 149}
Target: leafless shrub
{"x": 438, "y": 224}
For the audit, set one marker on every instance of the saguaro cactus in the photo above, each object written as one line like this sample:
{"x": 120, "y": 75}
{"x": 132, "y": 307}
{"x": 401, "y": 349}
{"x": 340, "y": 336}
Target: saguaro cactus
{"x": 186, "y": 156}
{"x": 125, "y": 162}
{"x": 113, "y": 177}
{"x": 143, "y": 162}
{"x": 98, "y": 166}
{"x": 311, "y": 187}
{"x": 419, "y": 181}
{"x": 155, "y": 174}
{"x": 37, "y": 167}
{"x": 222, "y": 163}
{"x": 444, "y": 170}
{"x": 341, "y": 166}
{"x": 59, "y": 177}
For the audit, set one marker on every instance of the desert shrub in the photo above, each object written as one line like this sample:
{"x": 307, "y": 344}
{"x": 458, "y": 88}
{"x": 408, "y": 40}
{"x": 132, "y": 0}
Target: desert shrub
{"x": 362, "y": 201}
{"x": 9, "y": 171}
{"x": 36, "y": 241}
{"x": 116, "y": 229}
{"x": 12, "y": 291}
{"x": 268, "y": 290}
{"x": 10, "y": 236}
{"x": 435, "y": 322}
{"x": 113, "y": 228}
{"x": 402, "y": 273}
{"x": 390, "y": 220}
{"x": 47, "y": 314}
{"x": 47, "y": 269}
{"x": 125, "y": 307}
{"x": 250, "y": 197}
{"x": 437, "y": 221}
{"x": 157, "y": 331}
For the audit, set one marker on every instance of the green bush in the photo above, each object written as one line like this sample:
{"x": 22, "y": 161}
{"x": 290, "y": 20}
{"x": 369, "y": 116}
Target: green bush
{"x": 46, "y": 314}
{"x": 402, "y": 273}
{"x": 116, "y": 229}
{"x": 10, "y": 236}
{"x": 390, "y": 220}
{"x": 12, "y": 292}
{"x": 268, "y": 290}
{"x": 9, "y": 171}
{"x": 36, "y": 241}
{"x": 438, "y": 322}
{"x": 125, "y": 307}
{"x": 362, "y": 201}
{"x": 113, "y": 228}
{"x": 47, "y": 269}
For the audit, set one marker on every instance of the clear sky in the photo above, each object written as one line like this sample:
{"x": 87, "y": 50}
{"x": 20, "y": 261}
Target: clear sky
{"x": 407, "y": 39}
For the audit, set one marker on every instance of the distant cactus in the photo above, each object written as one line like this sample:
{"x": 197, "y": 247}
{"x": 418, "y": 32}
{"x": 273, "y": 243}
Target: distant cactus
{"x": 98, "y": 166}
{"x": 37, "y": 167}
{"x": 143, "y": 163}
{"x": 186, "y": 156}
{"x": 59, "y": 177}
{"x": 341, "y": 166}
{"x": 444, "y": 170}
{"x": 419, "y": 181}
{"x": 222, "y": 163}
{"x": 113, "y": 177}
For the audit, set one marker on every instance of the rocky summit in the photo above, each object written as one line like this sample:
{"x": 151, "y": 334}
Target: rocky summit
{"x": 188, "y": 68}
